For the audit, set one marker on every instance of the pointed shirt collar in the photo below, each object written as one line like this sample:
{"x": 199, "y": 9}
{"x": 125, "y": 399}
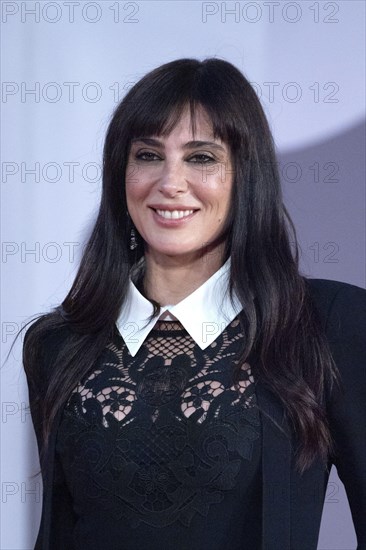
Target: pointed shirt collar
{"x": 205, "y": 313}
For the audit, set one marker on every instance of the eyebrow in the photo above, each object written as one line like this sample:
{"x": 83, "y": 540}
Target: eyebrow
{"x": 188, "y": 145}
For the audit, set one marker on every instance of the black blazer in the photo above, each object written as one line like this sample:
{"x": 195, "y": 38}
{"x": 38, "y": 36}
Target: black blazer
{"x": 292, "y": 504}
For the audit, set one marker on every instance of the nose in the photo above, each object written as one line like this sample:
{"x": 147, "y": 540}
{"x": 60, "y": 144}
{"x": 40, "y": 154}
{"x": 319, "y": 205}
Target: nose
{"x": 172, "y": 180}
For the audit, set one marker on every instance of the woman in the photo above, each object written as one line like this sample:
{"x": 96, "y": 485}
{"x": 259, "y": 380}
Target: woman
{"x": 193, "y": 389}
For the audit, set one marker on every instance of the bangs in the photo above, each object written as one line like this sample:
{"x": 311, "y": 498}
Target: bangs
{"x": 157, "y": 119}
{"x": 157, "y": 111}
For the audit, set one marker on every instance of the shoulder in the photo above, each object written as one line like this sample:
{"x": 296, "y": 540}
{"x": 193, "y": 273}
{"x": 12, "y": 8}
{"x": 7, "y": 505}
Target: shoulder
{"x": 45, "y": 337}
{"x": 336, "y": 301}
{"x": 342, "y": 309}
{"x": 324, "y": 291}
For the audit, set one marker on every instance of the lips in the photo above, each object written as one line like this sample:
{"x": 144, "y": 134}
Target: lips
{"x": 172, "y": 208}
{"x": 175, "y": 214}
{"x": 172, "y": 222}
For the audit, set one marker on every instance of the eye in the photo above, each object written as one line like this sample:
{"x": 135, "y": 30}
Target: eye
{"x": 146, "y": 156}
{"x": 202, "y": 159}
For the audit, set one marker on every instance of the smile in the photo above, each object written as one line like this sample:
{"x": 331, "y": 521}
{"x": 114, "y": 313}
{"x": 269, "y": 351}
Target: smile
{"x": 173, "y": 218}
{"x": 174, "y": 214}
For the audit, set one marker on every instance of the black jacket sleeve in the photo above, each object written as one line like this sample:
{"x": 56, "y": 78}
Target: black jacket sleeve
{"x": 58, "y": 517}
{"x": 346, "y": 332}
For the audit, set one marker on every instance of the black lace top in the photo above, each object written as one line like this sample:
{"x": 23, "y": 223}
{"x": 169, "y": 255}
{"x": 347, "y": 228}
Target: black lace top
{"x": 160, "y": 451}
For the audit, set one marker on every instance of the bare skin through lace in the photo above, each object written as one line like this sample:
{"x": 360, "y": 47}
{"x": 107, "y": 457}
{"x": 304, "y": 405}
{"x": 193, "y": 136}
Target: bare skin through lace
{"x": 160, "y": 437}
{"x": 201, "y": 390}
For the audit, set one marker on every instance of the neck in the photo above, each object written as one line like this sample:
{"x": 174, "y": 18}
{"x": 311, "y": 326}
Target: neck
{"x": 170, "y": 279}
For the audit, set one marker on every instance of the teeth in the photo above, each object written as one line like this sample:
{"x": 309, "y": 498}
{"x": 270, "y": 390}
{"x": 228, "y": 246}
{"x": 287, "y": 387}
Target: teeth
{"x": 175, "y": 214}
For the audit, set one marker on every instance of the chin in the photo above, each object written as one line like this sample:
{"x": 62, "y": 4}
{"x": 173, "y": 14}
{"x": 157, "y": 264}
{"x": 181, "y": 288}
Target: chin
{"x": 175, "y": 250}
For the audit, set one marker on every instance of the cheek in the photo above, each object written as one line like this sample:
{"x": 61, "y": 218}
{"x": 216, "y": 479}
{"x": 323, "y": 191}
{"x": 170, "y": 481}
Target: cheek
{"x": 133, "y": 178}
{"x": 221, "y": 197}
{"x": 131, "y": 172}
{"x": 135, "y": 191}
{"x": 129, "y": 195}
{"x": 222, "y": 200}
{"x": 139, "y": 175}
{"x": 138, "y": 183}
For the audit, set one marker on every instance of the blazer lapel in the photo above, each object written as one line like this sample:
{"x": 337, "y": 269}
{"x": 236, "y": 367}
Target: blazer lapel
{"x": 48, "y": 484}
{"x": 276, "y": 470}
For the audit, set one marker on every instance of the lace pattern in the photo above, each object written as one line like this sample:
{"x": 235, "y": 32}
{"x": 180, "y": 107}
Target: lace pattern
{"x": 159, "y": 437}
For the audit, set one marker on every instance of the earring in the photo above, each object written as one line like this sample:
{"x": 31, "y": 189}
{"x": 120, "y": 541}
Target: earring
{"x": 133, "y": 241}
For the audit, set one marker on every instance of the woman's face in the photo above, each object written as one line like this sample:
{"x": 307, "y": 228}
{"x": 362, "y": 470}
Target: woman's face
{"x": 168, "y": 177}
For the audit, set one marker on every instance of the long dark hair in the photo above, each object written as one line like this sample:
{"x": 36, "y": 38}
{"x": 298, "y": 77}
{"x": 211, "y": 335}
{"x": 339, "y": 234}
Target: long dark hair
{"x": 278, "y": 319}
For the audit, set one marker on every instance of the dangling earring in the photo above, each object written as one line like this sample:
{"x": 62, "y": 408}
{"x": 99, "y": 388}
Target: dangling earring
{"x": 133, "y": 241}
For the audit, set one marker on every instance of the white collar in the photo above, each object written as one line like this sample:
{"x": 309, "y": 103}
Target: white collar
{"x": 200, "y": 313}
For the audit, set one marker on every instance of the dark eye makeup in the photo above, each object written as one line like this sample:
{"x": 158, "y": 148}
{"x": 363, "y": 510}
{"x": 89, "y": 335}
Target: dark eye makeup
{"x": 202, "y": 158}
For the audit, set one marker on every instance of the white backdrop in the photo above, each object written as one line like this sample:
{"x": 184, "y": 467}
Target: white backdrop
{"x": 65, "y": 65}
